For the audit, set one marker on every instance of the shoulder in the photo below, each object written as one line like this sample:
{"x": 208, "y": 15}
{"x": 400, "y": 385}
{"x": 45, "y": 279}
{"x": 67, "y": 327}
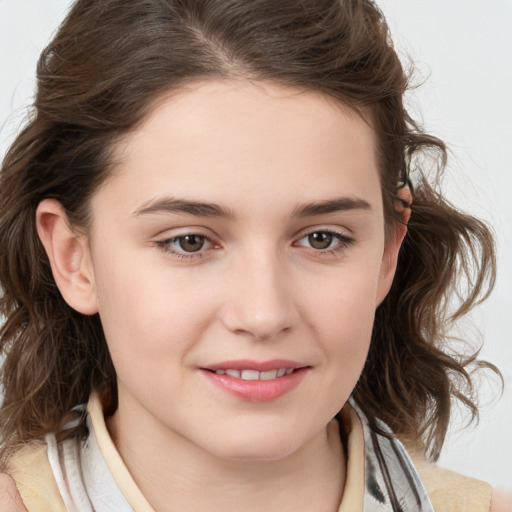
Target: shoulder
{"x": 501, "y": 501}
{"x": 10, "y": 499}
{"x": 450, "y": 491}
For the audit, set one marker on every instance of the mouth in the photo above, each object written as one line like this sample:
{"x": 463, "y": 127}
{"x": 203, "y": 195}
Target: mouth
{"x": 256, "y": 382}
{"x": 255, "y": 374}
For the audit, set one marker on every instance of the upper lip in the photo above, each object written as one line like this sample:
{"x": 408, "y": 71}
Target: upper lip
{"x": 260, "y": 366}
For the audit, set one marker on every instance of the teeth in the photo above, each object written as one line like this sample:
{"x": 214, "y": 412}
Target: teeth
{"x": 256, "y": 375}
{"x": 250, "y": 375}
{"x": 271, "y": 374}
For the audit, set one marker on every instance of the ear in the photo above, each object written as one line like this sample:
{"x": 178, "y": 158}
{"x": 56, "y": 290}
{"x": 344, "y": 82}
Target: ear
{"x": 69, "y": 257}
{"x": 394, "y": 242}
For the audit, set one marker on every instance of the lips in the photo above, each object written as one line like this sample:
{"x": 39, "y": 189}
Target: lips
{"x": 256, "y": 381}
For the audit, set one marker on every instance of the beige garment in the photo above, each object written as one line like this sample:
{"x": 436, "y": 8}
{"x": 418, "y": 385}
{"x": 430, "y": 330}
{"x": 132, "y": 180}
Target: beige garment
{"x": 31, "y": 471}
{"x": 353, "y": 491}
{"x": 115, "y": 463}
{"x": 448, "y": 491}
{"x": 453, "y": 492}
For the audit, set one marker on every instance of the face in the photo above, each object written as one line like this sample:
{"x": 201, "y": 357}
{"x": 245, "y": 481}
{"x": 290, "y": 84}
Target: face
{"x": 238, "y": 256}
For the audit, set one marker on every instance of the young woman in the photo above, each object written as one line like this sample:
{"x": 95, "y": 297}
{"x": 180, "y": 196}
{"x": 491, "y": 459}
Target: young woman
{"x": 226, "y": 278}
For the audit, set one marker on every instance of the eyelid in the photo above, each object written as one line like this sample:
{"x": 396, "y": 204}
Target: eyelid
{"x": 322, "y": 228}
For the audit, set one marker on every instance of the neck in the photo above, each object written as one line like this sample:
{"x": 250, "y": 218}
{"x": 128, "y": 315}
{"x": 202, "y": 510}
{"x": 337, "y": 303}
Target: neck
{"x": 175, "y": 474}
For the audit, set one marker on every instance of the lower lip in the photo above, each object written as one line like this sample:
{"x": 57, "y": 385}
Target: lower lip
{"x": 257, "y": 390}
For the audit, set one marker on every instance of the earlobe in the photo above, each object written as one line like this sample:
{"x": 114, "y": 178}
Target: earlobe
{"x": 69, "y": 257}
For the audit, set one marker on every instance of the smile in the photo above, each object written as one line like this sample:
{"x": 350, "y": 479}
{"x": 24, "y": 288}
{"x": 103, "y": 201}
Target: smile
{"x": 256, "y": 381}
{"x": 255, "y": 374}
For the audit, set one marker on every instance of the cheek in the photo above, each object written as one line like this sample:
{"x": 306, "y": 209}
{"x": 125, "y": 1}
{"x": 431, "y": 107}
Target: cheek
{"x": 341, "y": 314}
{"x": 148, "y": 313}
{"x": 345, "y": 302}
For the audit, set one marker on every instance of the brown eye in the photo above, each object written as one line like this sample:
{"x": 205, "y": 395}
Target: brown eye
{"x": 191, "y": 243}
{"x": 320, "y": 240}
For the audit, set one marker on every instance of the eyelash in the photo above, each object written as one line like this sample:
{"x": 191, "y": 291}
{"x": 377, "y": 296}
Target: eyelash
{"x": 343, "y": 242}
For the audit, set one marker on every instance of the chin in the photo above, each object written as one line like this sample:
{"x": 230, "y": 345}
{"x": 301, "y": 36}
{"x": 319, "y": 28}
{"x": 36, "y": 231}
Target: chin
{"x": 257, "y": 447}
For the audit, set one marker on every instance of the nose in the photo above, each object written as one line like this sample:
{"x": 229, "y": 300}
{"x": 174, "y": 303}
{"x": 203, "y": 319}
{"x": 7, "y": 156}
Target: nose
{"x": 260, "y": 300}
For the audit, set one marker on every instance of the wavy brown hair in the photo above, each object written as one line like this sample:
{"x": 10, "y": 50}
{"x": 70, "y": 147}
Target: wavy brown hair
{"x": 107, "y": 65}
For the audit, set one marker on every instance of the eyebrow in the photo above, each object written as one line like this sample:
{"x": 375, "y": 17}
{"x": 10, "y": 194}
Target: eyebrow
{"x": 332, "y": 206}
{"x": 176, "y": 205}
{"x": 204, "y": 209}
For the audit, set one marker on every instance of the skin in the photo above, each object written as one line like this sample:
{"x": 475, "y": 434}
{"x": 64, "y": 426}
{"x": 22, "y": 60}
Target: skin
{"x": 501, "y": 501}
{"x": 10, "y": 500}
{"x": 259, "y": 288}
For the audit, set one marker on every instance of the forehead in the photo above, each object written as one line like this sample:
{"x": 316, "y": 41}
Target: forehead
{"x": 235, "y": 140}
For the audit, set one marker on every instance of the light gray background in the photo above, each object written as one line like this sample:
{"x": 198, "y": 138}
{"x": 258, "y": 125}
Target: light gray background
{"x": 464, "y": 48}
